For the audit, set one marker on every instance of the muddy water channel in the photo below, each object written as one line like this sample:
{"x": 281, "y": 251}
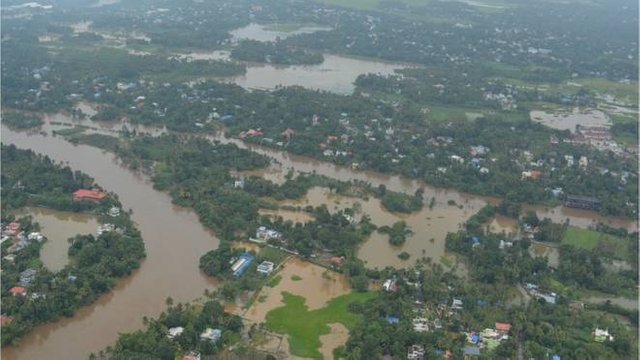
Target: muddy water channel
{"x": 174, "y": 240}
{"x": 58, "y": 227}
{"x": 429, "y": 226}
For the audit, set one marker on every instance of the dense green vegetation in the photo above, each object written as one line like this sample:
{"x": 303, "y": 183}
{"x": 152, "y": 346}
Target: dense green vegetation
{"x": 274, "y": 53}
{"x": 97, "y": 262}
{"x": 153, "y": 343}
{"x": 398, "y": 232}
{"x": 305, "y": 327}
{"x": 21, "y": 120}
{"x": 391, "y": 123}
{"x": 458, "y": 119}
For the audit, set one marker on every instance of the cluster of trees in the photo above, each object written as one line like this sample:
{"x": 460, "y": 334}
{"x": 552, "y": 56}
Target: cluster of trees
{"x": 96, "y": 262}
{"x": 30, "y": 180}
{"x": 517, "y": 36}
{"x": 274, "y": 53}
{"x": 21, "y": 120}
{"x": 153, "y": 343}
{"x": 398, "y": 232}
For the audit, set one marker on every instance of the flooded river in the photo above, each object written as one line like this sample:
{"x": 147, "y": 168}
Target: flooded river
{"x": 174, "y": 240}
{"x": 58, "y": 227}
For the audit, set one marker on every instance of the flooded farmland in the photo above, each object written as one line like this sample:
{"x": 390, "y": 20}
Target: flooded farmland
{"x": 316, "y": 284}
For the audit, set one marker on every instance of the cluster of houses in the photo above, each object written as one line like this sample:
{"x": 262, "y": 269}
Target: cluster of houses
{"x": 264, "y": 234}
{"x": 597, "y": 136}
{"x": 209, "y": 334}
{"x": 489, "y": 338}
{"x": 13, "y": 232}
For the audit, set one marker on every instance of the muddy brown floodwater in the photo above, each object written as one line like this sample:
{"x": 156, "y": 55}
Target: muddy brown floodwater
{"x": 317, "y": 285}
{"x": 58, "y": 227}
{"x": 174, "y": 241}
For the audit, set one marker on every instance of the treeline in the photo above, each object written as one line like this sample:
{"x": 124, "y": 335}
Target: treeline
{"x": 96, "y": 262}
{"x": 153, "y": 341}
{"x": 22, "y": 121}
{"x": 274, "y": 53}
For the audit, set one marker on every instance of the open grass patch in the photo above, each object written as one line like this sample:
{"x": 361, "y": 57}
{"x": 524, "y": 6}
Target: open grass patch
{"x": 105, "y": 142}
{"x": 295, "y": 278}
{"x": 591, "y": 239}
{"x": 72, "y": 131}
{"x": 305, "y": 327}
{"x": 272, "y": 254}
{"x": 274, "y": 281}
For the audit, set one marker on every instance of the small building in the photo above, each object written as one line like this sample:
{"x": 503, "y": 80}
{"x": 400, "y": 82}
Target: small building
{"x": 505, "y": 244}
{"x": 238, "y": 184}
{"x": 288, "y": 133}
{"x": 266, "y": 267}
{"x": 114, "y": 211}
{"x": 212, "y": 335}
{"x": 600, "y": 335}
{"x": 27, "y": 276}
{"x": 415, "y": 352}
{"x": 12, "y": 229}
{"x": 267, "y": 234}
{"x": 175, "y": 331}
{"x": 6, "y": 320}
{"x": 390, "y": 285}
{"x": 18, "y": 290}
{"x": 191, "y": 355}
{"x": 92, "y": 195}
{"x": 337, "y": 260}
{"x": 241, "y": 265}
{"x": 456, "y": 304}
{"x": 503, "y": 327}
{"x": 583, "y": 162}
{"x": 35, "y": 236}
{"x": 582, "y": 202}
{"x": 392, "y": 319}
{"x": 420, "y": 324}
{"x": 105, "y": 228}
{"x": 471, "y": 351}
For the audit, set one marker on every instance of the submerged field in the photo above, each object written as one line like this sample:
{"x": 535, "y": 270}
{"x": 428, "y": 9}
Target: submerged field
{"x": 305, "y": 327}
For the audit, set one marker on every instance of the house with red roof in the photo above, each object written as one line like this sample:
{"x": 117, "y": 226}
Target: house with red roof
{"x": 192, "y": 355}
{"x": 337, "y": 260}
{"x": 18, "y": 290}
{"x": 503, "y": 327}
{"x": 5, "y": 320}
{"x": 12, "y": 229}
{"x": 93, "y": 195}
{"x": 288, "y": 133}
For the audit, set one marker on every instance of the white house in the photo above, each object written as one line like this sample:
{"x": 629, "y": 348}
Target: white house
{"x": 175, "y": 331}
{"x": 266, "y": 267}
{"x": 211, "y": 334}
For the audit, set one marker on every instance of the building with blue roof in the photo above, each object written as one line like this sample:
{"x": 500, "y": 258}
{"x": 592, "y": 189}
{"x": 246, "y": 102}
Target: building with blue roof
{"x": 241, "y": 265}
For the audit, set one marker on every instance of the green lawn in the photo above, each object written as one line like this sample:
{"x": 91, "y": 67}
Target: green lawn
{"x": 590, "y": 239}
{"x": 305, "y": 327}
